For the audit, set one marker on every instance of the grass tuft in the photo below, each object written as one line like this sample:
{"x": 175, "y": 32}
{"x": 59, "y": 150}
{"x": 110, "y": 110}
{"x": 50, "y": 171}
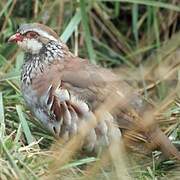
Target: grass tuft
{"x": 138, "y": 39}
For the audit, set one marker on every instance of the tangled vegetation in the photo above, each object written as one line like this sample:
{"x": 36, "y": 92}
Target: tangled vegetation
{"x": 138, "y": 39}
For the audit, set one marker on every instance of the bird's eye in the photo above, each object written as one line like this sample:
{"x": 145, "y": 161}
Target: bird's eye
{"x": 31, "y": 34}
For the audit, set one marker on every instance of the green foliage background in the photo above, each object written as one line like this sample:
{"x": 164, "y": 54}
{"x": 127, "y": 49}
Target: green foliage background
{"x": 134, "y": 37}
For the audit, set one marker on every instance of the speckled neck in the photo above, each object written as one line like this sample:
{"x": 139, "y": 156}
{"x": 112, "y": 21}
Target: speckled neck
{"x": 34, "y": 63}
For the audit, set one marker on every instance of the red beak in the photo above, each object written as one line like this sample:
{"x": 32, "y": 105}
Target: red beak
{"x": 15, "y": 38}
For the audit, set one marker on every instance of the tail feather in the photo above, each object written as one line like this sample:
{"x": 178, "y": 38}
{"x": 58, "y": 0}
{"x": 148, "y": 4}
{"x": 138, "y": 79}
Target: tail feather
{"x": 159, "y": 139}
{"x": 151, "y": 136}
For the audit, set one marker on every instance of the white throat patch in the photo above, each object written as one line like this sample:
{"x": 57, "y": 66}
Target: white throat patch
{"x": 30, "y": 45}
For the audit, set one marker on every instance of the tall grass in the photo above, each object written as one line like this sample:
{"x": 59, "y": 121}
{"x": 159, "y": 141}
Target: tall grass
{"x": 138, "y": 39}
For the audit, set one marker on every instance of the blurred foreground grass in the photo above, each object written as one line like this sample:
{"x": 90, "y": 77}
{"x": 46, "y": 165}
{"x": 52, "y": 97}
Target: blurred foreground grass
{"x": 139, "y": 39}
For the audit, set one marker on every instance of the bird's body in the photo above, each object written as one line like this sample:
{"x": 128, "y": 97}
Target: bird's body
{"x": 62, "y": 90}
{"x": 60, "y": 102}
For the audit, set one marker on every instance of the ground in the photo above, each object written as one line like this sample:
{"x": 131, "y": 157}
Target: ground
{"x": 138, "y": 39}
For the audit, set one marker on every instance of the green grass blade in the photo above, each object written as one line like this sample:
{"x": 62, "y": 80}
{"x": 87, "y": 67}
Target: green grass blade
{"x": 32, "y": 174}
{"x": 87, "y": 32}
{"x": 151, "y": 3}
{"x": 115, "y": 53}
{"x": 11, "y": 160}
{"x": 149, "y": 23}
{"x": 161, "y": 87}
{"x": 71, "y": 27}
{"x": 135, "y": 22}
{"x": 2, "y": 122}
{"x": 119, "y": 37}
{"x": 25, "y": 126}
{"x": 5, "y": 7}
{"x": 117, "y": 8}
{"x": 13, "y": 86}
{"x": 80, "y": 162}
{"x": 156, "y": 28}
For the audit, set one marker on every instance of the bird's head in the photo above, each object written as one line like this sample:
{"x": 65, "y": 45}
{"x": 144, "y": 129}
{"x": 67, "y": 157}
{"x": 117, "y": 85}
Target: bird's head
{"x": 33, "y": 37}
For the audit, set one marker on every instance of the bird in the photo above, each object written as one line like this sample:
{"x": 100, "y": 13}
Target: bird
{"x": 63, "y": 91}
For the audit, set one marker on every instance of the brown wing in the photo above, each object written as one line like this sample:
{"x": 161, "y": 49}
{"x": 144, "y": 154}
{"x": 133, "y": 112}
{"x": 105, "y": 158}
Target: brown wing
{"x": 90, "y": 82}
